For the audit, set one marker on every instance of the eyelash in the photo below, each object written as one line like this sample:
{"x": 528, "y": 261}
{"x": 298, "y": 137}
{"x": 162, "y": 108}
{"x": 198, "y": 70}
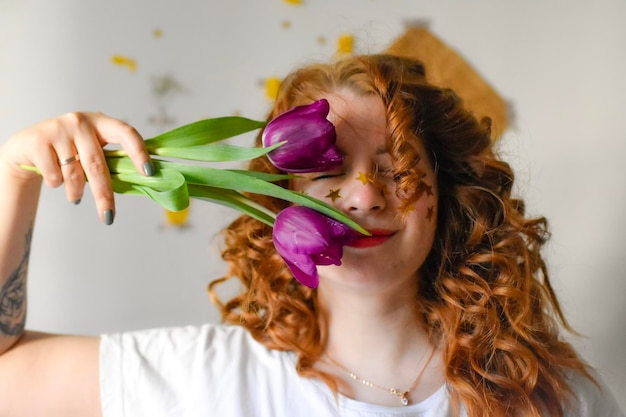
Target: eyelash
{"x": 384, "y": 173}
{"x": 324, "y": 177}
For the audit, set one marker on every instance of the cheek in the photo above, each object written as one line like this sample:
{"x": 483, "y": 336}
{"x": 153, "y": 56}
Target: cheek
{"x": 423, "y": 211}
{"x": 427, "y": 197}
{"x": 307, "y": 187}
{"x": 428, "y": 204}
{"x": 329, "y": 190}
{"x": 421, "y": 225}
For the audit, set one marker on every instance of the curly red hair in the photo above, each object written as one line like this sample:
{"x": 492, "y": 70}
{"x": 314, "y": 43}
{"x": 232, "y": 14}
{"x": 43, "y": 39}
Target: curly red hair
{"x": 484, "y": 292}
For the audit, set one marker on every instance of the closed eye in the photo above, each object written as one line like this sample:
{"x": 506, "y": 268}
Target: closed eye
{"x": 324, "y": 177}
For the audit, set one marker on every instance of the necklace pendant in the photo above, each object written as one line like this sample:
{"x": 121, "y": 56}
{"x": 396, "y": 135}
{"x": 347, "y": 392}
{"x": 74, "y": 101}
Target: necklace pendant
{"x": 402, "y": 395}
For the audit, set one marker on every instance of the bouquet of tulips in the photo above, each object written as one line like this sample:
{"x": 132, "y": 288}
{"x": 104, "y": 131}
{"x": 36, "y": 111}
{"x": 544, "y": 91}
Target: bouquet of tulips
{"x": 306, "y": 234}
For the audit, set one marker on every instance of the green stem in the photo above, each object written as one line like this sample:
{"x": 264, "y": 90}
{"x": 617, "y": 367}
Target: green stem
{"x": 30, "y": 168}
{"x": 115, "y": 152}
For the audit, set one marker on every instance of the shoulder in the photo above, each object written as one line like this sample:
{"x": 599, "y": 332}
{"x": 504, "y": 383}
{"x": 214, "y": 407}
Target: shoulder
{"x": 206, "y": 368}
{"x": 209, "y": 341}
{"x": 591, "y": 399}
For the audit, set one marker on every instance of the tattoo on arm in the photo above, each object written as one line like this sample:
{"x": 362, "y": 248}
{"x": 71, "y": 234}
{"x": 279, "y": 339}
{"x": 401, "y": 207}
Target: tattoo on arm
{"x": 13, "y": 295}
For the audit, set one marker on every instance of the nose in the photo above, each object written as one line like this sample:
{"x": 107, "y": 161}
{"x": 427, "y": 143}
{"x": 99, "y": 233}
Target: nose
{"x": 363, "y": 194}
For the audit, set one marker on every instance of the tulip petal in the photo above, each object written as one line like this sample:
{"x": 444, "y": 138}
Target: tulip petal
{"x": 304, "y": 238}
{"x": 331, "y": 256}
{"x": 310, "y": 280}
{"x": 310, "y": 139}
{"x": 308, "y": 243}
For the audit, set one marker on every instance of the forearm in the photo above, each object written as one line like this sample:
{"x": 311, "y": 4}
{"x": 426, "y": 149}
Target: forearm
{"x": 18, "y": 207}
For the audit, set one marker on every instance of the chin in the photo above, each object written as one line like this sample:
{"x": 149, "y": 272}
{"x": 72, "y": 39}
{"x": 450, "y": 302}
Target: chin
{"x": 354, "y": 272}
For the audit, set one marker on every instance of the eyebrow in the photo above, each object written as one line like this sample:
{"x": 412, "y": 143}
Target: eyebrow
{"x": 381, "y": 150}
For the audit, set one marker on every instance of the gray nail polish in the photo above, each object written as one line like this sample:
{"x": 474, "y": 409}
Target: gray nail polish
{"x": 148, "y": 168}
{"x": 108, "y": 217}
{"x": 77, "y": 201}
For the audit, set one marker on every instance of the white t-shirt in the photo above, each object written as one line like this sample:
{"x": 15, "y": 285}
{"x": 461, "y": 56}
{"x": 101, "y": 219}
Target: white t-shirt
{"x": 216, "y": 370}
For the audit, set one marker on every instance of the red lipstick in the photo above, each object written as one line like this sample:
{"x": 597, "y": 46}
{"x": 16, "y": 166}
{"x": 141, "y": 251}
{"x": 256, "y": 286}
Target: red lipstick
{"x": 377, "y": 237}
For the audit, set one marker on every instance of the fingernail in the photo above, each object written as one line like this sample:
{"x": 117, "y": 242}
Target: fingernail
{"x": 108, "y": 217}
{"x": 76, "y": 202}
{"x": 148, "y": 168}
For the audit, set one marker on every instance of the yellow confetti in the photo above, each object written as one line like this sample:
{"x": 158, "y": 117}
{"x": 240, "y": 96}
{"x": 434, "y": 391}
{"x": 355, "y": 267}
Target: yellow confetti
{"x": 177, "y": 218}
{"x": 286, "y": 24}
{"x": 321, "y": 40}
{"x": 345, "y": 44}
{"x": 124, "y": 61}
{"x": 293, "y": 2}
{"x": 157, "y": 33}
{"x": 271, "y": 87}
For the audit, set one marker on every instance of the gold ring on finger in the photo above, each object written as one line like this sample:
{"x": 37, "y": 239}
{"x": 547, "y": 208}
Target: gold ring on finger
{"x": 69, "y": 160}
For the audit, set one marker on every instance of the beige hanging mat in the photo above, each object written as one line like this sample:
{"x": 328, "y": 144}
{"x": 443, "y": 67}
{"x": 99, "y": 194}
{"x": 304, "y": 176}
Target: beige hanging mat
{"x": 446, "y": 68}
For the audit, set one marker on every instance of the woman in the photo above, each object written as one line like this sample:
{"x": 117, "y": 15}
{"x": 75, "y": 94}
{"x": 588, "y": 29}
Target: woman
{"x": 446, "y": 308}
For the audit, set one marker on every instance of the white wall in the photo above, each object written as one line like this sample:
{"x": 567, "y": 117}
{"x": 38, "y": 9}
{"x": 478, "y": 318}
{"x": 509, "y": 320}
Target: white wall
{"x": 561, "y": 65}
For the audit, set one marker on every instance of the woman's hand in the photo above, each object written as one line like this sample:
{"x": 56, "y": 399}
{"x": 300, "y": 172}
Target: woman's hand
{"x": 69, "y": 150}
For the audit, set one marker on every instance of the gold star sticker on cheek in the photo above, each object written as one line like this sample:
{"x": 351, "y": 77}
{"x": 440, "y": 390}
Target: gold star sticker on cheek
{"x": 333, "y": 194}
{"x": 365, "y": 178}
{"x": 426, "y": 188}
{"x": 423, "y": 187}
{"x": 430, "y": 213}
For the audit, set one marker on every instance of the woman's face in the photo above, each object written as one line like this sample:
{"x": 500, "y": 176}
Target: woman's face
{"x": 364, "y": 189}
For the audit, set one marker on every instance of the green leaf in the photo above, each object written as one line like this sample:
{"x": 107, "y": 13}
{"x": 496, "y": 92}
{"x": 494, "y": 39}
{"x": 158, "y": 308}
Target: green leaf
{"x": 167, "y": 187}
{"x": 120, "y": 164}
{"x": 265, "y": 176}
{"x": 232, "y": 180}
{"x": 233, "y": 199}
{"x": 204, "y": 132}
{"x": 214, "y": 152}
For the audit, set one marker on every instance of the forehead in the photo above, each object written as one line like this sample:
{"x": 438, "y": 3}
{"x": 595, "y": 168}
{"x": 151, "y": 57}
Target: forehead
{"x": 358, "y": 118}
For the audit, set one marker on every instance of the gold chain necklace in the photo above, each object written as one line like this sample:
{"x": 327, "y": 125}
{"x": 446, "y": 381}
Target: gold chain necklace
{"x": 402, "y": 395}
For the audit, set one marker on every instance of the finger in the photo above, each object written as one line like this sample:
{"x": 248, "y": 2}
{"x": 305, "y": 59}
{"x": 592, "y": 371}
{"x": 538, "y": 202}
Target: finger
{"x": 88, "y": 146}
{"x": 65, "y": 160}
{"x": 115, "y": 131}
{"x": 46, "y": 160}
{"x": 56, "y": 172}
{"x": 73, "y": 176}
{"x": 35, "y": 147}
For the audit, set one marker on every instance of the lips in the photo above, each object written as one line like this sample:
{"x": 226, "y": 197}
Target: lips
{"x": 377, "y": 237}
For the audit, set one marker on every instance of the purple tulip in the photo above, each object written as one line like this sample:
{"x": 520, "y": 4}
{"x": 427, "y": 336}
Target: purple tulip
{"x": 310, "y": 139}
{"x": 305, "y": 238}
